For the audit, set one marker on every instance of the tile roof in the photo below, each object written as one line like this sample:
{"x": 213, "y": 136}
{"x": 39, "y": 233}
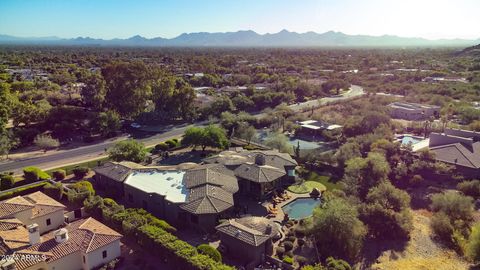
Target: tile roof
{"x": 13, "y": 206}
{"x": 213, "y": 174}
{"x": 114, "y": 170}
{"x": 259, "y": 174}
{"x": 208, "y": 199}
{"x": 16, "y": 238}
{"x": 459, "y": 154}
{"x": 40, "y": 204}
{"x": 9, "y": 223}
{"x": 251, "y": 230}
{"x": 84, "y": 235}
{"x": 272, "y": 158}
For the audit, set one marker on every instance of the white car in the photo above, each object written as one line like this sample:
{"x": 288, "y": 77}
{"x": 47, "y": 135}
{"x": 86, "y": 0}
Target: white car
{"x": 135, "y": 125}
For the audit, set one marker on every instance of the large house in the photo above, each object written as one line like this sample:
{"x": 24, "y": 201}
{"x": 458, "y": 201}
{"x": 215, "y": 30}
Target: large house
{"x": 50, "y": 244}
{"x": 413, "y": 111}
{"x": 458, "y": 147}
{"x": 197, "y": 194}
{"x": 248, "y": 239}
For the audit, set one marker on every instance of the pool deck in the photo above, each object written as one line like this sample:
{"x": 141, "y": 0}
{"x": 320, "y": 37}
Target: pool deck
{"x": 293, "y": 196}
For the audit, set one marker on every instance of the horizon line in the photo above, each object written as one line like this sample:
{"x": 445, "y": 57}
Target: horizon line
{"x": 226, "y": 32}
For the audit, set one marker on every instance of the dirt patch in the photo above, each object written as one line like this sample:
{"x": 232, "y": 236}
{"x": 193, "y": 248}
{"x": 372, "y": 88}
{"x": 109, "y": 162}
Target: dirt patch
{"x": 421, "y": 252}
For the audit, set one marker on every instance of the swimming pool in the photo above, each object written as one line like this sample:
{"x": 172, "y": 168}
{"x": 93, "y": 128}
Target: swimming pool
{"x": 300, "y": 208}
{"x": 410, "y": 140}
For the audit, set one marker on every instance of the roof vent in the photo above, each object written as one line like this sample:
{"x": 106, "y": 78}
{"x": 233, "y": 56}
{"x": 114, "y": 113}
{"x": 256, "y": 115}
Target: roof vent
{"x": 61, "y": 235}
{"x": 237, "y": 234}
{"x": 260, "y": 159}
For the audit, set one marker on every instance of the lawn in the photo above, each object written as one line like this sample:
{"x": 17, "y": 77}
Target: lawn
{"x": 306, "y": 187}
{"x": 322, "y": 179}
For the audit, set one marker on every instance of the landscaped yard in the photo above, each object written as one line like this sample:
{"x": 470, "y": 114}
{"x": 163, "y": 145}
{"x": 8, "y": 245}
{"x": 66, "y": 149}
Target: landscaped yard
{"x": 306, "y": 187}
{"x": 325, "y": 180}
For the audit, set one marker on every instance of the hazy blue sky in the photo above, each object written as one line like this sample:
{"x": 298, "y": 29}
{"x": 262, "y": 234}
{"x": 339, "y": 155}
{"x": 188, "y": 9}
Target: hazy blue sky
{"x": 169, "y": 18}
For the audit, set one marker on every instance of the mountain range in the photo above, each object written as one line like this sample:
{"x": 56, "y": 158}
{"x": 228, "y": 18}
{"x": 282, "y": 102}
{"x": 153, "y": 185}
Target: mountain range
{"x": 248, "y": 38}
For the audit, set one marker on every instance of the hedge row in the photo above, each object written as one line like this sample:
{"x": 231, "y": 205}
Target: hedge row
{"x": 22, "y": 191}
{"x": 151, "y": 233}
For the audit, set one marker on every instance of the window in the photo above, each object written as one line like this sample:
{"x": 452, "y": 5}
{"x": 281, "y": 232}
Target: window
{"x": 104, "y": 254}
{"x": 49, "y": 222}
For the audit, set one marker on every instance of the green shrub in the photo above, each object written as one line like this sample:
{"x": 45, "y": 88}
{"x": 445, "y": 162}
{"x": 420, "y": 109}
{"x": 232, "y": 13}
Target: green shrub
{"x": 301, "y": 260}
{"x": 7, "y": 181}
{"x": 54, "y": 191}
{"x": 288, "y": 245}
{"x": 210, "y": 252}
{"x": 470, "y": 188}
{"x": 171, "y": 143}
{"x": 21, "y": 191}
{"x": 161, "y": 147}
{"x": 59, "y": 174}
{"x": 337, "y": 264}
{"x": 291, "y": 239}
{"x": 280, "y": 251}
{"x": 288, "y": 260}
{"x": 80, "y": 172}
{"x": 33, "y": 174}
{"x": 301, "y": 242}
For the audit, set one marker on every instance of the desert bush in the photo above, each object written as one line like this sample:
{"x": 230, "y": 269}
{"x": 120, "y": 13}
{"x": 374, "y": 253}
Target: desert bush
{"x": 80, "y": 172}
{"x": 161, "y": 147}
{"x": 33, "y": 174}
{"x": 280, "y": 251}
{"x": 7, "y": 181}
{"x": 301, "y": 260}
{"x": 59, "y": 174}
{"x": 171, "y": 143}
{"x": 470, "y": 188}
{"x": 288, "y": 245}
{"x": 337, "y": 264}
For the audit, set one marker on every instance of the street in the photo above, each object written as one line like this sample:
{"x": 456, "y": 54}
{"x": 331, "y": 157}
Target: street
{"x": 86, "y": 153}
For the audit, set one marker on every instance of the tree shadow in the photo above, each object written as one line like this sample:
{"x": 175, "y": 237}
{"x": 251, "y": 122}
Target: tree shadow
{"x": 373, "y": 248}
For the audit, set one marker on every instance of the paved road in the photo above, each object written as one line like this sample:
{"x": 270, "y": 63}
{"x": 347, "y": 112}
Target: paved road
{"x": 66, "y": 157}
{"x": 81, "y": 154}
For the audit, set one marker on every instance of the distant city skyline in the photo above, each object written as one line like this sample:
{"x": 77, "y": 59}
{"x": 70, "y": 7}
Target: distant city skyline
{"x": 107, "y": 19}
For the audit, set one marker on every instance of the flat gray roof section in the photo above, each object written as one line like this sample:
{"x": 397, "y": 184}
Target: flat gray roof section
{"x": 165, "y": 183}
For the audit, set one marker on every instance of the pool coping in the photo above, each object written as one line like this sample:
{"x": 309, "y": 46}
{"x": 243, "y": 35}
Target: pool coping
{"x": 293, "y": 196}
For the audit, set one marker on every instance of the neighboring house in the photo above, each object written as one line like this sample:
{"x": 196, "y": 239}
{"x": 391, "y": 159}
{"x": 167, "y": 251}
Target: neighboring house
{"x": 458, "y": 147}
{"x": 84, "y": 244}
{"x": 249, "y": 239}
{"x": 32, "y": 227}
{"x": 198, "y": 195}
{"x": 34, "y": 208}
{"x": 413, "y": 111}
{"x": 314, "y": 127}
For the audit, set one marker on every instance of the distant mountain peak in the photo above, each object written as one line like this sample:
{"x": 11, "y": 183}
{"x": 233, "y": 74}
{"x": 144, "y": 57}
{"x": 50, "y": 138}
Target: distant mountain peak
{"x": 249, "y": 38}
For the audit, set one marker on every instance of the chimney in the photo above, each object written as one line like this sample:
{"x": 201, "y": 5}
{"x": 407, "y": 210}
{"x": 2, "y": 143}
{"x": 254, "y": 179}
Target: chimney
{"x": 9, "y": 264}
{"x": 260, "y": 159}
{"x": 268, "y": 230}
{"x": 61, "y": 235}
{"x": 33, "y": 234}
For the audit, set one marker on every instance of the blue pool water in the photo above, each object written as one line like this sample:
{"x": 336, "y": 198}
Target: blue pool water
{"x": 409, "y": 139}
{"x": 300, "y": 208}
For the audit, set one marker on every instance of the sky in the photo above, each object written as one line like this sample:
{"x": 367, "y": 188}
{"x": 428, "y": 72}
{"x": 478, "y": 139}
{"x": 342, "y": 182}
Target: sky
{"x": 432, "y": 19}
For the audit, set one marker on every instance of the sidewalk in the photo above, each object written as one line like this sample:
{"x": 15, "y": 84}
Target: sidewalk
{"x": 33, "y": 152}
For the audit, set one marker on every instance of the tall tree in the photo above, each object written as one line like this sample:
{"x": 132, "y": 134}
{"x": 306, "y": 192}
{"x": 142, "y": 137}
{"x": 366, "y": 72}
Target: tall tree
{"x": 128, "y": 87}
{"x": 94, "y": 91}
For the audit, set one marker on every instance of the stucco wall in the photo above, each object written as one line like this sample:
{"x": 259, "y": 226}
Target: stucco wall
{"x": 56, "y": 220}
{"x": 70, "y": 262}
{"x": 95, "y": 258}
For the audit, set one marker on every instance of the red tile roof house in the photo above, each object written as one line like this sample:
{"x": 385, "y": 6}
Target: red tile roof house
{"x": 83, "y": 244}
{"x": 458, "y": 147}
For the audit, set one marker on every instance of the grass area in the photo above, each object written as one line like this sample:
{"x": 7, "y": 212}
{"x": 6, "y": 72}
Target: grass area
{"x": 306, "y": 187}
{"x": 89, "y": 164}
{"x": 322, "y": 179}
